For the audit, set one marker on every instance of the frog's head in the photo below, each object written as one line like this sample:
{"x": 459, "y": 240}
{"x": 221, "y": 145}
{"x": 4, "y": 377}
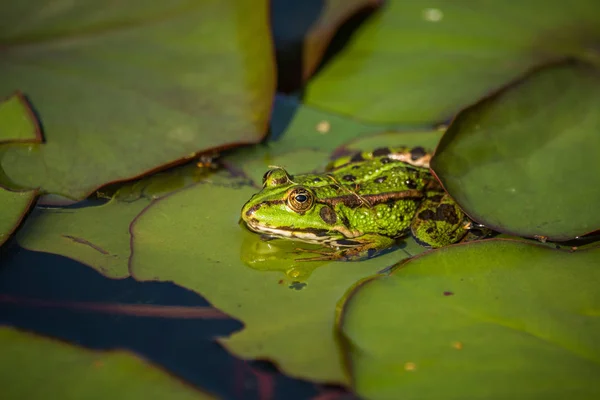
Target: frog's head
{"x": 287, "y": 209}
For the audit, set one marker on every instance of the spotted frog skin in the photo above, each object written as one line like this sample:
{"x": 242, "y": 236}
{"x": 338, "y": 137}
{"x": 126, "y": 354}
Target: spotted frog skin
{"x": 359, "y": 206}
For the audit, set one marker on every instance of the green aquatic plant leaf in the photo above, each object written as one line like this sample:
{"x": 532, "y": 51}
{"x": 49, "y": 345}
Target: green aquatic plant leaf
{"x": 17, "y": 125}
{"x": 494, "y": 319}
{"x": 13, "y": 207}
{"x": 525, "y": 161}
{"x": 192, "y": 238}
{"x": 334, "y": 13}
{"x": 32, "y": 366}
{"x": 98, "y": 235}
{"x": 421, "y": 61}
{"x": 123, "y": 89}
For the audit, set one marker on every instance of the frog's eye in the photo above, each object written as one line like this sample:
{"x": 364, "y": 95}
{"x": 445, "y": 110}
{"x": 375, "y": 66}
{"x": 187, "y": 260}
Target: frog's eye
{"x": 300, "y": 199}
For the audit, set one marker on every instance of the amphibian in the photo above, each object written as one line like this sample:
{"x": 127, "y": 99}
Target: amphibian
{"x": 359, "y": 206}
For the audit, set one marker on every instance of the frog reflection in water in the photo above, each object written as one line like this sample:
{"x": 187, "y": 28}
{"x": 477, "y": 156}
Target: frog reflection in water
{"x": 360, "y": 206}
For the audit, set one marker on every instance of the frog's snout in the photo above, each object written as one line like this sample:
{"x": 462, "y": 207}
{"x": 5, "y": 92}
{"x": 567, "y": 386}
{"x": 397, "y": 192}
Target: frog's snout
{"x": 248, "y": 211}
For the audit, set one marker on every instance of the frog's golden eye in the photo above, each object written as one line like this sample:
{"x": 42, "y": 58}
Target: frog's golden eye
{"x": 300, "y": 199}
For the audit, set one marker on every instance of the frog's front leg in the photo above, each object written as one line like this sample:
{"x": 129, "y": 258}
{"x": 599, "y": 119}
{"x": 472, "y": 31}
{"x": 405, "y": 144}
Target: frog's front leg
{"x": 439, "y": 221}
{"x": 358, "y": 248}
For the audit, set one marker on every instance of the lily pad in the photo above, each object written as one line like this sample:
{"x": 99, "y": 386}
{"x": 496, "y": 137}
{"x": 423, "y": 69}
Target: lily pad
{"x": 525, "y": 161}
{"x": 31, "y": 367}
{"x": 421, "y": 61}
{"x": 335, "y": 12}
{"x": 98, "y": 236}
{"x": 192, "y": 238}
{"x": 17, "y": 125}
{"x": 95, "y": 236}
{"x": 494, "y": 319}
{"x": 17, "y": 121}
{"x": 14, "y": 207}
{"x": 123, "y": 89}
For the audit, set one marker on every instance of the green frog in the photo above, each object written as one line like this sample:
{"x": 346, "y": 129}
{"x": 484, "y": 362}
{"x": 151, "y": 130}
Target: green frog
{"x": 359, "y": 206}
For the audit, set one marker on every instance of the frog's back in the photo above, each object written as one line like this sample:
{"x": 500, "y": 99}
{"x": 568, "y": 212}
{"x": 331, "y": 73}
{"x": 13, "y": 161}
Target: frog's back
{"x": 377, "y": 194}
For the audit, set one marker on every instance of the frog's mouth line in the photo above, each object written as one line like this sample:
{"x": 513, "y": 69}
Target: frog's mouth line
{"x": 307, "y": 235}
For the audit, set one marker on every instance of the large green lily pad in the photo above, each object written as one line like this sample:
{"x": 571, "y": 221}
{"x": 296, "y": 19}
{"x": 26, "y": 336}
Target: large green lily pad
{"x": 421, "y": 61}
{"x": 125, "y": 88}
{"x": 33, "y": 367}
{"x": 192, "y": 238}
{"x": 495, "y": 319}
{"x": 525, "y": 161}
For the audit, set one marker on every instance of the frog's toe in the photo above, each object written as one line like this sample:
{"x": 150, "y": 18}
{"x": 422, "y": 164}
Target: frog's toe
{"x": 323, "y": 255}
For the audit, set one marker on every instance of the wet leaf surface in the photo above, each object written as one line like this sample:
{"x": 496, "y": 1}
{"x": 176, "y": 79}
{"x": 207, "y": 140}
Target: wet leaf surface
{"x": 32, "y": 366}
{"x": 14, "y": 206}
{"x": 98, "y": 235}
{"x": 335, "y": 13}
{"x": 17, "y": 122}
{"x": 83, "y": 234}
{"x": 193, "y": 239}
{"x": 462, "y": 321}
{"x": 123, "y": 89}
{"x": 421, "y": 61}
{"x": 525, "y": 161}
{"x": 17, "y": 125}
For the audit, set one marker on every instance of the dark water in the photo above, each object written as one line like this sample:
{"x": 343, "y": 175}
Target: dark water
{"x": 33, "y": 286}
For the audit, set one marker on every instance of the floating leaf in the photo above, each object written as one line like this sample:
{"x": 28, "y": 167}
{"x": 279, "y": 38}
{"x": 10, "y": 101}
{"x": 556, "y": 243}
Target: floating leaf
{"x": 17, "y": 124}
{"x": 525, "y": 161}
{"x": 192, "y": 238}
{"x": 421, "y": 61}
{"x": 31, "y": 367}
{"x": 463, "y": 321}
{"x": 98, "y": 236}
{"x": 95, "y": 236}
{"x": 127, "y": 88}
{"x": 13, "y": 207}
{"x": 335, "y": 12}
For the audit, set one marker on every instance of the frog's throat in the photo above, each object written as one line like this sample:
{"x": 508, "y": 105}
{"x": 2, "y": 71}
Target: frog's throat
{"x": 308, "y": 235}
